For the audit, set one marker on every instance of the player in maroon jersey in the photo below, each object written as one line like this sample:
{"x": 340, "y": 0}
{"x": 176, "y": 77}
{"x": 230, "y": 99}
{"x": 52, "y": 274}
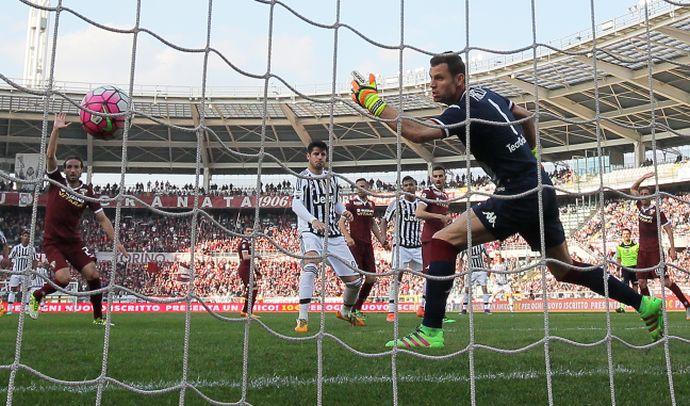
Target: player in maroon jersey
{"x": 62, "y": 242}
{"x": 650, "y": 253}
{"x": 358, "y": 238}
{"x": 244, "y": 250}
{"x": 435, "y": 216}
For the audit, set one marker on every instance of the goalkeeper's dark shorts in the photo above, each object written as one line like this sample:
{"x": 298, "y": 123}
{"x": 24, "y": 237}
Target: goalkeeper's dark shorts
{"x": 505, "y": 217}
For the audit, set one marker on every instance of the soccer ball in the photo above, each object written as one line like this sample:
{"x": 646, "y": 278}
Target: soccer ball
{"x": 104, "y": 99}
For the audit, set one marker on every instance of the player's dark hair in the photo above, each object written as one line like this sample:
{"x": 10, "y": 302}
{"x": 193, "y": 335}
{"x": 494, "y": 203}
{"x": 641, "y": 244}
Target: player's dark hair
{"x": 438, "y": 168}
{"x": 317, "y": 144}
{"x": 626, "y": 229}
{"x": 69, "y": 158}
{"x": 408, "y": 177}
{"x": 363, "y": 180}
{"x": 452, "y": 59}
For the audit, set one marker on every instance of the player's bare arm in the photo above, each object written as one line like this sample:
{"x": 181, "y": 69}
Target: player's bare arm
{"x": 635, "y": 188}
{"x": 383, "y": 227}
{"x": 59, "y": 123}
{"x": 107, "y": 226}
{"x": 342, "y": 225}
{"x": 380, "y": 234}
{"x": 672, "y": 249}
{"x": 246, "y": 256}
{"x": 422, "y": 214}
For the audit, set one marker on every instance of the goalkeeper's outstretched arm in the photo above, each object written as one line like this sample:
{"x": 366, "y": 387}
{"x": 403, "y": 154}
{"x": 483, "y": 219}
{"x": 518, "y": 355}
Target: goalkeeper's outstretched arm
{"x": 367, "y": 96}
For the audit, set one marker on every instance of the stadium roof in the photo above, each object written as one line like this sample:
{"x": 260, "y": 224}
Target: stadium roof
{"x": 564, "y": 83}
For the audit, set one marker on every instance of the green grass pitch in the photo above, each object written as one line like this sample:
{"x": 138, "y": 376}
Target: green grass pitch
{"x": 146, "y": 351}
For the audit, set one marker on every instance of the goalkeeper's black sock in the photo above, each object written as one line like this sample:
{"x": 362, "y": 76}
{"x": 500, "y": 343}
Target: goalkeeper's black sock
{"x": 595, "y": 281}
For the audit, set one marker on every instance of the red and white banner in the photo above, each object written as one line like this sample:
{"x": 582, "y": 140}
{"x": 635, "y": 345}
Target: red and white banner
{"x": 231, "y": 307}
{"x": 567, "y": 306}
{"x": 525, "y": 306}
{"x": 187, "y": 201}
{"x": 167, "y": 202}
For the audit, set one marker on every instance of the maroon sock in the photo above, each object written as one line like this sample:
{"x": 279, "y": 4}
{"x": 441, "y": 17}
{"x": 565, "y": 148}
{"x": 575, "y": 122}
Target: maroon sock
{"x": 442, "y": 256}
{"x": 247, "y": 296}
{"x": 364, "y": 292}
{"x": 246, "y": 299}
{"x": 254, "y": 292}
{"x": 96, "y": 300}
{"x": 679, "y": 294}
{"x": 644, "y": 291}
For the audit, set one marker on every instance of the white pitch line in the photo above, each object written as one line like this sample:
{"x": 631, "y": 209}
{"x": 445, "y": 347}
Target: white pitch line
{"x": 278, "y": 382}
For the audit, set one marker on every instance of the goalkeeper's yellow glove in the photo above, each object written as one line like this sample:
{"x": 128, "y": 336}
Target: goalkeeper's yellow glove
{"x": 535, "y": 153}
{"x": 367, "y": 96}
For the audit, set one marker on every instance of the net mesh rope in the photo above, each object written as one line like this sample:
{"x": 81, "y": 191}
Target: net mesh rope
{"x": 200, "y": 129}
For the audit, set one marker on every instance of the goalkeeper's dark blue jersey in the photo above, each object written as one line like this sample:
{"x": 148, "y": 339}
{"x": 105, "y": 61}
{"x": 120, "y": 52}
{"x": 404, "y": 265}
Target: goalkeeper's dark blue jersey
{"x": 502, "y": 149}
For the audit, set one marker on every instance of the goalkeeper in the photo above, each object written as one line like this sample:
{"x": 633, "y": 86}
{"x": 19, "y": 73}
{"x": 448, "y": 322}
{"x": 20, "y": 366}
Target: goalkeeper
{"x": 507, "y": 151}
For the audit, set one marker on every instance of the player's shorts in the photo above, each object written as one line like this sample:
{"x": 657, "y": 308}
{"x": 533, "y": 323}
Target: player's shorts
{"x": 629, "y": 277}
{"x": 243, "y": 273}
{"x": 63, "y": 255}
{"x": 409, "y": 258}
{"x": 479, "y": 278}
{"x": 337, "y": 248}
{"x": 505, "y": 217}
{"x": 646, "y": 259}
{"x": 364, "y": 256}
{"x": 15, "y": 281}
{"x": 505, "y": 289}
{"x": 426, "y": 251}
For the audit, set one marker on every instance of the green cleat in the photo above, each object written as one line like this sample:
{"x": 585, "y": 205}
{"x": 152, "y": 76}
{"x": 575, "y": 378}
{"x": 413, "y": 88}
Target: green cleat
{"x": 101, "y": 322}
{"x": 448, "y": 321}
{"x": 359, "y": 314}
{"x": 651, "y": 312}
{"x": 422, "y": 337}
{"x": 34, "y": 307}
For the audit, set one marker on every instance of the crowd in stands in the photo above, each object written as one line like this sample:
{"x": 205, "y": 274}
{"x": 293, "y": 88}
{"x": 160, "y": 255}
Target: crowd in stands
{"x": 622, "y": 213}
{"x": 215, "y": 277}
{"x": 6, "y": 186}
{"x": 142, "y": 231}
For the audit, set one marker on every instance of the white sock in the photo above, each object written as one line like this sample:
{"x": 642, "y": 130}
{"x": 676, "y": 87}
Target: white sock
{"x": 350, "y": 294}
{"x": 391, "y": 305}
{"x": 486, "y": 297}
{"x": 11, "y": 297}
{"x": 465, "y": 299}
{"x": 306, "y": 289}
{"x": 392, "y": 297}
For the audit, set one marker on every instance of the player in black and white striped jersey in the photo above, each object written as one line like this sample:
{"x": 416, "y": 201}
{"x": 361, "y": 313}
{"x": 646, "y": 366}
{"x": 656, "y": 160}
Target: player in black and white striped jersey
{"x": 476, "y": 260}
{"x": 23, "y": 257}
{"x": 312, "y": 196}
{"x": 409, "y": 241}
